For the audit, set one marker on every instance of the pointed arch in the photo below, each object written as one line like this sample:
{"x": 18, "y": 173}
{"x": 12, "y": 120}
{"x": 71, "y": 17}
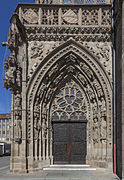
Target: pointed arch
{"x": 70, "y": 61}
{"x": 65, "y": 48}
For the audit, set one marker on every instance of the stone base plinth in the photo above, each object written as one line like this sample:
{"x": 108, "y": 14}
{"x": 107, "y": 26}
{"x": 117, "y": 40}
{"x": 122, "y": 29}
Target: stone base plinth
{"x": 37, "y": 165}
{"x": 100, "y": 164}
{"x": 18, "y": 164}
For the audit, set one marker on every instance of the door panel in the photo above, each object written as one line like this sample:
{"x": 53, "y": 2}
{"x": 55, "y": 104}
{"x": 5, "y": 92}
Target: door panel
{"x": 78, "y": 143}
{"x": 69, "y": 143}
{"x": 60, "y": 143}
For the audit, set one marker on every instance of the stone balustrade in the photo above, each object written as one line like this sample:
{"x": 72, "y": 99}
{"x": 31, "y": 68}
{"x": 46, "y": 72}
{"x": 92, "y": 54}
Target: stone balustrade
{"x": 65, "y": 14}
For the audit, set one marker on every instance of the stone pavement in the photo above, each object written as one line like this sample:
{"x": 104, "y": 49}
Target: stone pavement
{"x": 98, "y": 174}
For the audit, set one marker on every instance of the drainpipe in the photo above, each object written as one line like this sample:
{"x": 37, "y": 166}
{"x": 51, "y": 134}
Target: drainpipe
{"x": 114, "y": 90}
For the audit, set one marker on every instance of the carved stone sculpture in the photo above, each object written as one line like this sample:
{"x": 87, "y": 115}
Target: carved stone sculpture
{"x": 17, "y": 131}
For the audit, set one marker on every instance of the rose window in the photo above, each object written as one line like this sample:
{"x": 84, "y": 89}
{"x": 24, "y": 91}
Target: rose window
{"x": 69, "y": 104}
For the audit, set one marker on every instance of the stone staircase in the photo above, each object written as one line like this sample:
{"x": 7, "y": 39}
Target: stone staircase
{"x": 69, "y": 167}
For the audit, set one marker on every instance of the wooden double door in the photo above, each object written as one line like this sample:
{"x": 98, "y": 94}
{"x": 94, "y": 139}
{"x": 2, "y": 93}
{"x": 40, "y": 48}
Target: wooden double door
{"x": 69, "y": 143}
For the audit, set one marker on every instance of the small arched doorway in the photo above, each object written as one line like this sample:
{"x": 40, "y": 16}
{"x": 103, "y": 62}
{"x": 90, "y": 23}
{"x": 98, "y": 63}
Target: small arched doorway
{"x": 69, "y": 125}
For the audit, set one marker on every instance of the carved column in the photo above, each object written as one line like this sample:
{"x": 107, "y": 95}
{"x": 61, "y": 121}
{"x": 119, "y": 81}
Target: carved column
{"x": 24, "y": 113}
{"x": 80, "y": 17}
{"x": 40, "y": 137}
{"x": 12, "y": 135}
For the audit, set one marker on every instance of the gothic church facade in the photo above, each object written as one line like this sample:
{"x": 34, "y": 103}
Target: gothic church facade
{"x": 61, "y": 79}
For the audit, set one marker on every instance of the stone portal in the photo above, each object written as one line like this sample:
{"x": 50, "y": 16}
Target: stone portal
{"x": 60, "y": 76}
{"x": 69, "y": 114}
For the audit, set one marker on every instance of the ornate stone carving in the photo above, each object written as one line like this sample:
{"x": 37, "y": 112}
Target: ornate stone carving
{"x": 12, "y": 39}
{"x": 36, "y": 119}
{"x": 17, "y": 131}
{"x": 103, "y": 130}
{"x": 16, "y": 34}
{"x": 44, "y": 128}
{"x": 103, "y": 53}
{"x": 106, "y": 17}
{"x": 95, "y": 108}
{"x": 18, "y": 100}
{"x": 87, "y": 70}
{"x": 36, "y": 125}
{"x": 17, "y": 117}
{"x": 13, "y": 74}
{"x": 95, "y": 130}
{"x": 36, "y": 50}
{"x": 30, "y": 16}
{"x": 67, "y": 16}
{"x": 88, "y": 74}
{"x": 70, "y": 17}
{"x": 90, "y": 92}
{"x": 102, "y": 107}
{"x": 94, "y": 92}
{"x": 64, "y": 33}
{"x": 90, "y": 17}
{"x": 50, "y": 16}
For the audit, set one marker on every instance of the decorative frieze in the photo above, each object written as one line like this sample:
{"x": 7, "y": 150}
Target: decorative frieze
{"x": 65, "y": 15}
{"x": 93, "y": 34}
{"x": 30, "y": 16}
{"x": 103, "y": 52}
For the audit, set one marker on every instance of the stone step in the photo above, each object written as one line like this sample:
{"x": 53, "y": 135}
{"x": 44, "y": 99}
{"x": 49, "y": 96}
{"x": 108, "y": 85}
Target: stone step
{"x": 69, "y": 167}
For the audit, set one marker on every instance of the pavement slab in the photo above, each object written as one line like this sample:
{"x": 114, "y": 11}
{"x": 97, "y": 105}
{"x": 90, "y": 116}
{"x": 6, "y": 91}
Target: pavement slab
{"x": 99, "y": 174}
{"x": 55, "y": 174}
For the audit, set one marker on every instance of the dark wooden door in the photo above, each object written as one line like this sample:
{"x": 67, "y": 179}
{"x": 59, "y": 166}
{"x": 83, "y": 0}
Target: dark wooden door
{"x": 69, "y": 143}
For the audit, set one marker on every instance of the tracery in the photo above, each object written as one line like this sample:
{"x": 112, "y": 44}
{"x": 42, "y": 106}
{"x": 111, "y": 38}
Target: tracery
{"x": 69, "y": 103}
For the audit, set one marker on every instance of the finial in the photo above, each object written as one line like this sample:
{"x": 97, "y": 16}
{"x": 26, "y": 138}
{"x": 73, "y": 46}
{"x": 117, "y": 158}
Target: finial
{"x": 4, "y": 43}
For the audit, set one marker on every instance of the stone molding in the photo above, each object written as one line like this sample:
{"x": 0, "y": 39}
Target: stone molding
{"x": 93, "y": 34}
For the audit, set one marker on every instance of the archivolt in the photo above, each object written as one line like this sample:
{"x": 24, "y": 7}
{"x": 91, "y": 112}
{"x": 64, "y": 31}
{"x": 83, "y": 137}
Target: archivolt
{"x": 69, "y": 61}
